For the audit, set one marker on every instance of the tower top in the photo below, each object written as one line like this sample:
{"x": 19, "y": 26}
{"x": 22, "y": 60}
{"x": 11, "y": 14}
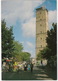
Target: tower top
{"x": 41, "y": 8}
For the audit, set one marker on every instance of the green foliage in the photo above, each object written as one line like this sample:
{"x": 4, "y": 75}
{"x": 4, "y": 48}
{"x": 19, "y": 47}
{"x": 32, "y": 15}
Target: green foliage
{"x": 22, "y": 56}
{"x": 18, "y": 47}
{"x": 52, "y": 61}
{"x": 52, "y": 39}
{"x": 45, "y": 53}
{"x": 7, "y": 40}
{"x": 39, "y": 56}
{"x": 10, "y": 47}
{"x": 18, "y": 58}
{"x": 50, "y": 51}
{"x": 25, "y": 56}
{"x": 18, "y": 54}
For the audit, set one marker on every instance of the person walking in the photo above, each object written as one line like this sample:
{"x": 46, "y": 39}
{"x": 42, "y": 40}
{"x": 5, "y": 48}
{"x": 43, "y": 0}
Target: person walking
{"x": 41, "y": 62}
{"x": 25, "y": 67}
{"x": 31, "y": 67}
{"x": 28, "y": 66}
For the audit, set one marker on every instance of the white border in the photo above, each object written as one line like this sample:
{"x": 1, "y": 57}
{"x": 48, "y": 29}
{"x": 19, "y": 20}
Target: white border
{"x": 0, "y": 48}
{"x": 57, "y": 40}
{"x": 0, "y": 41}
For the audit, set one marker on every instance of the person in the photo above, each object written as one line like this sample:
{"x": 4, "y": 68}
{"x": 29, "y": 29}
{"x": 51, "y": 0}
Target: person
{"x": 15, "y": 66}
{"x": 3, "y": 62}
{"x": 31, "y": 67}
{"x": 28, "y": 66}
{"x": 4, "y": 67}
{"x": 25, "y": 67}
{"x": 41, "y": 62}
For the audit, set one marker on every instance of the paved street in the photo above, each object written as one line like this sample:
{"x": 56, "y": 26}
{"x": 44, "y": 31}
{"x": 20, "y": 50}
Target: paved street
{"x": 38, "y": 73}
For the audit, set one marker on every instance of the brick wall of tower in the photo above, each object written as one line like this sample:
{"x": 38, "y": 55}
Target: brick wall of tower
{"x": 41, "y": 28}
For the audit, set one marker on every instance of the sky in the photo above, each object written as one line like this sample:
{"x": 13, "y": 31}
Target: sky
{"x": 21, "y": 14}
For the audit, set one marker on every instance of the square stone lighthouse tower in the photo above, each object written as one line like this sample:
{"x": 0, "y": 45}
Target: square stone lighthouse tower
{"x": 41, "y": 28}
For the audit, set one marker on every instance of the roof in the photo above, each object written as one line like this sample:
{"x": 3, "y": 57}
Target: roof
{"x": 41, "y": 8}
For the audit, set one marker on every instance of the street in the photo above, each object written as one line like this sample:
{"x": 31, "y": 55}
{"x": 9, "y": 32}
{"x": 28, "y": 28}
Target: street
{"x": 38, "y": 73}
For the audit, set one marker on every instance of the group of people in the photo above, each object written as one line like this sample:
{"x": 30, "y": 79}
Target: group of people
{"x": 9, "y": 65}
{"x": 28, "y": 67}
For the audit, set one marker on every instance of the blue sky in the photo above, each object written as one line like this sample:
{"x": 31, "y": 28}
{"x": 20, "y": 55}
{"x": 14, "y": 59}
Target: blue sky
{"x": 21, "y": 14}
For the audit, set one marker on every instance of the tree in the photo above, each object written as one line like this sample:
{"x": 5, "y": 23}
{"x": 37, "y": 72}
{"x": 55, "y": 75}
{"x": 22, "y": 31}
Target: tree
{"x": 7, "y": 40}
{"x": 45, "y": 53}
{"x": 25, "y": 56}
{"x": 52, "y": 40}
{"x": 22, "y": 56}
{"x": 18, "y": 47}
{"x": 10, "y": 47}
{"x": 50, "y": 51}
{"x": 18, "y": 52}
{"x": 18, "y": 58}
{"x": 52, "y": 45}
{"x": 39, "y": 56}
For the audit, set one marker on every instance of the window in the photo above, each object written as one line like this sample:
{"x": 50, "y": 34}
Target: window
{"x": 40, "y": 19}
{"x": 41, "y": 38}
{"x": 40, "y": 12}
{"x": 40, "y": 31}
{"x": 41, "y": 45}
{"x": 40, "y": 24}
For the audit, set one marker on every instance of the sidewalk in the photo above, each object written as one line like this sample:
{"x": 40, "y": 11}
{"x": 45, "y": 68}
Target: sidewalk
{"x": 37, "y": 74}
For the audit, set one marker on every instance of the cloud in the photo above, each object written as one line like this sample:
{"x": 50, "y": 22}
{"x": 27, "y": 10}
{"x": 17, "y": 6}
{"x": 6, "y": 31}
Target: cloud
{"x": 29, "y": 47}
{"x": 30, "y": 44}
{"x": 29, "y": 28}
{"x": 21, "y": 10}
{"x": 52, "y": 17}
{"x": 30, "y": 51}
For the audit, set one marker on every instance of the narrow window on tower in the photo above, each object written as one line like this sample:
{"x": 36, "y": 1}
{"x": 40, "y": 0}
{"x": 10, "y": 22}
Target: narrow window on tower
{"x": 40, "y": 19}
{"x": 41, "y": 38}
{"x": 40, "y": 31}
{"x": 41, "y": 45}
{"x": 40, "y": 24}
{"x": 40, "y": 12}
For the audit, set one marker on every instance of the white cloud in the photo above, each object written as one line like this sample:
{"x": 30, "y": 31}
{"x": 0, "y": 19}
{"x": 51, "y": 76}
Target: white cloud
{"x": 29, "y": 47}
{"x": 23, "y": 11}
{"x": 52, "y": 17}
{"x": 30, "y": 51}
{"x": 30, "y": 44}
{"x": 19, "y": 9}
{"x": 29, "y": 28}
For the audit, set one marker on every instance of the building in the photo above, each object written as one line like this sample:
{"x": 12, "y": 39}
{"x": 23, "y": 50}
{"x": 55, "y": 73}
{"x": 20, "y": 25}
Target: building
{"x": 41, "y": 28}
{"x": 33, "y": 60}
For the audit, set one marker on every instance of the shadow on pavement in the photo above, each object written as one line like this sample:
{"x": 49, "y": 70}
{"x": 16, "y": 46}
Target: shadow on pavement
{"x": 39, "y": 73}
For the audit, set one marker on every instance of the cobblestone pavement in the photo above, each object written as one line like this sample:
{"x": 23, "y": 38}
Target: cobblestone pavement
{"x": 37, "y": 74}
